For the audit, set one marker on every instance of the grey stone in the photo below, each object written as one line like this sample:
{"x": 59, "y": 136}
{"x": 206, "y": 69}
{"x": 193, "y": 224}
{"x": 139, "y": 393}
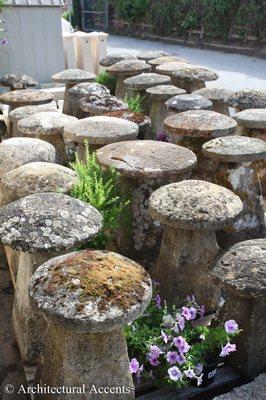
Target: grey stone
{"x": 151, "y": 54}
{"x": 165, "y": 60}
{"x": 253, "y": 118}
{"x": 47, "y": 222}
{"x": 15, "y": 152}
{"x": 169, "y": 67}
{"x": 192, "y": 77}
{"x": 20, "y": 98}
{"x": 143, "y": 121}
{"x": 101, "y": 104}
{"x": 218, "y": 96}
{"x": 255, "y": 390}
{"x": 112, "y": 59}
{"x": 164, "y": 92}
{"x": 145, "y": 81}
{"x": 35, "y": 177}
{"x": 185, "y": 102}
{"x": 247, "y": 98}
{"x": 19, "y": 81}
{"x": 83, "y": 89}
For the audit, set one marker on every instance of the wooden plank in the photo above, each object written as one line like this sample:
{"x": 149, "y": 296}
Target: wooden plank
{"x": 225, "y": 376}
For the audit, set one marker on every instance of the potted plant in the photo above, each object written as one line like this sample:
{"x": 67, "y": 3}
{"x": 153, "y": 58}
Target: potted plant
{"x": 178, "y": 348}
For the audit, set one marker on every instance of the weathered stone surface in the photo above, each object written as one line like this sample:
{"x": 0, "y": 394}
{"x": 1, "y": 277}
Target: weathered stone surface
{"x": 255, "y": 390}
{"x": 143, "y": 121}
{"x": 36, "y": 177}
{"x": 215, "y": 94}
{"x": 101, "y": 104}
{"x": 73, "y": 76}
{"x": 151, "y": 54}
{"x": 169, "y": 68}
{"x": 248, "y": 98}
{"x": 48, "y": 222}
{"x": 235, "y": 149}
{"x": 82, "y": 308}
{"x": 19, "y": 81}
{"x": 145, "y": 81}
{"x": 200, "y": 123}
{"x": 194, "y": 72}
{"x": 195, "y": 204}
{"x": 165, "y": 60}
{"x": 147, "y": 159}
{"x": 242, "y": 269}
{"x": 15, "y": 152}
{"x": 129, "y": 67}
{"x": 84, "y": 89}
{"x": 164, "y": 92}
{"x": 185, "y": 102}
{"x": 112, "y": 59}
{"x": 252, "y": 118}
{"x": 20, "y": 98}
{"x": 101, "y": 130}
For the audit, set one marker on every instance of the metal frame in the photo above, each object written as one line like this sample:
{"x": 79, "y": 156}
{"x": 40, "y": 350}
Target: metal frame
{"x": 85, "y": 12}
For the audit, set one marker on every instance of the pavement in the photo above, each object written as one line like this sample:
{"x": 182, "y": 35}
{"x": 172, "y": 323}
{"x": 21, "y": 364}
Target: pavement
{"x": 235, "y": 71}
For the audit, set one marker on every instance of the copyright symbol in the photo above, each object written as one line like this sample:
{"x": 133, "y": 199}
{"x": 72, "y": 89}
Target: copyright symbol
{"x": 9, "y": 389}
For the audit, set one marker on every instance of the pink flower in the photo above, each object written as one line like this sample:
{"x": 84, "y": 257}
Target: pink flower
{"x": 172, "y": 357}
{"x": 174, "y": 373}
{"x": 227, "y": 349}
{"x": 231, "y": 326}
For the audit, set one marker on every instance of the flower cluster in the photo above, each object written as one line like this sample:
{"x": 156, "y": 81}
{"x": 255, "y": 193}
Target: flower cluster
{"x": 183, "y": 347}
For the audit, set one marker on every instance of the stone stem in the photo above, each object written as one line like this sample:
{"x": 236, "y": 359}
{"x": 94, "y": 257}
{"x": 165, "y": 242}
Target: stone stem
{"x": 158, "y": 113}
{"x": 58, "y": 142}
{"x": 67, "y": 99}
{"x": 221, "y": 108}
{"x": 119, "y": 90}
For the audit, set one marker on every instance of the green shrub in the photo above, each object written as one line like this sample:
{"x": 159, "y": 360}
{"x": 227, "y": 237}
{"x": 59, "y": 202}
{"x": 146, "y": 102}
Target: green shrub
{"x": 135, "y": 104}
{"x": 100, "y": 188}
{"x": 132, "y": 9}
{"x": 107, "y": 80}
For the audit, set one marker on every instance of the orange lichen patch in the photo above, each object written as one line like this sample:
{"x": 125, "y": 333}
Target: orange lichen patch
{"x": 103, "y": 277}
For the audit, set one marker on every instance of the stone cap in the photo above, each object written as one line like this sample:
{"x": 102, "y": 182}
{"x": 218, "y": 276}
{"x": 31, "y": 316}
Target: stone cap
{"x": 45, "y": 123}
{"x": 112, "y": 59}
{"x": 147, "y": 159}
{"x": 169, "y": 68}
{"x": 101, "y": 130}
{"x": 254, "y": 118}
{"x": 215, "y": 94}
{"x": 152, "y": 54}
{"x": 200, "y": 123}
{"x": 88, "y": 88}
{"x": 101, "y": 104}
{"x": 144, "y": 81}
{"x": 36, "y": 177}
{"x": 136, "y": 117}
{"x": 48, "y": 222}
{"x": 26, "y": 97}
{"x": 164, "y": 92}
{"x": 235, "y": 149}
{"x": 195, "y": 73}
{"x": 18, "y": 151}
{"x": 72, "y": 76}
{"x": 17, "y": 81}
{"x": 195, "y": 204}
{"x": 129, "y": 67}
{"x": 166, "y": 60}
{"x": 186, "y": 102}
{"x": 248, "y": 98}
{"x": 27, "y": 111}
{"x": 241, "y": 269}
{"x": 91, "y": 290}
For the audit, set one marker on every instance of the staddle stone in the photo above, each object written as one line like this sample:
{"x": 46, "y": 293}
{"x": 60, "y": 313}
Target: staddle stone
{"x": 247, "y": 98}
{"x": 192, "y": 77}
{"x": 218, "y": 96}
{"x": 112, "y": 59}
{"x": 19, "y": 81}
{"x": 20, "y": 98}
{"x": 101, "y": 104}
{"x": 152, "y": 54}
{"x": 186, "y": 102}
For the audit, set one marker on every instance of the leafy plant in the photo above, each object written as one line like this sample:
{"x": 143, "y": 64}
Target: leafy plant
{"x": 135, "y": 103}
{"x": 101, "y": 189}
{"x": 107, "y": 80}
{"x": 172, "y": 344}
{"x": 131, "y": 9}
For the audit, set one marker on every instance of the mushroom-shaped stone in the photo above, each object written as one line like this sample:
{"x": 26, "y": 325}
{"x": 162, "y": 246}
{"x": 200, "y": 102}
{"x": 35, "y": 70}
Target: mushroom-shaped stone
{"x": 112, "y": 59}
{"x": 186, "y": 102}
{"x": 169, "y": 68}
{"x": 48, "y": 126}
{"x": 164, "y": 60}
{"x": 235, "y": 169}
{"x": 24, "y": 112}
{"x": 252, "y": 122}
{"x": 96, "y": 293}
{"x": 218, "y": 96}
{"x": 41, "y": 226}
{"x": 15, "y": 152}
{"x": 193, "y": 77}
{"x": 15, "y": 82}
{"x": 241, "y": 273}
{"x": 35, "y": 177}
{"x": 72, "y": 77}
{"x": 124, "y": 69}
{"x": 143, "y": 121}
{"x": 99, "y": 131}
{"x": 137, "y": 85}
{"x": 92, "y": 105}
{"x": 20, "y": 98}
{"x": 247, "y": 98}
{"x": 158, "y": 96}
{"x": 144, "y": 166}
{"x": 151, "y": 54}
{"x": 191, "y": 211}
{"x": 81, "y": 90}
{"x": 193, "y": 128}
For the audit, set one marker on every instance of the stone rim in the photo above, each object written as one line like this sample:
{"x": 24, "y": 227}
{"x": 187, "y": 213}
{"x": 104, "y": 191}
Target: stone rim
{"x": 27, "y": 97}
{"x": 74, "y": 75}
{"x": 145, "y": 81}
{"x": 254, "y": 118}
{"x": 185, "y": 102}
{"x": 45, "y": 123}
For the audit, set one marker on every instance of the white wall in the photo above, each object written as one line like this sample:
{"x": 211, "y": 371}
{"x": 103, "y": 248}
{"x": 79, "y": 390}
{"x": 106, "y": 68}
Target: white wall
{"x": 35, "y": 44}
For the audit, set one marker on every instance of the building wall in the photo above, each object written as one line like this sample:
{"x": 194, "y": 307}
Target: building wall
{"x": 35, "y": 44}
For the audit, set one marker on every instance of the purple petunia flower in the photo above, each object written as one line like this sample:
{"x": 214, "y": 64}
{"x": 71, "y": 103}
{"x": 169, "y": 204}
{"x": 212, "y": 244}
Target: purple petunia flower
{"x": 172, "y": 357}
{"x": 198, "y": 369}
{"x": 164, "y": 337}
{"x": 174, "y": 373}
{"x": 202, "y": 311}
{"x": 231, "y": 326}
{"x": 186, "y": 313}
{"x": 181, "y": 344}
{"x": 154, "y": 361}
{"x": 134, "y": 366}
{"x": 227, "y": 349}
{"x": 191, "y": 299}
{"x": 155, "y": 351}
{"x": 3, "y": 42}
{"x": 158, "y": 301}
{"x": 168, "y": 321}
{"x": 181, "y": 359}
{"x": 190, "y": 373}
{"x": 162, "y": 137}
{"x": 193, "y": 312}
{"x": 181, "y": 321}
